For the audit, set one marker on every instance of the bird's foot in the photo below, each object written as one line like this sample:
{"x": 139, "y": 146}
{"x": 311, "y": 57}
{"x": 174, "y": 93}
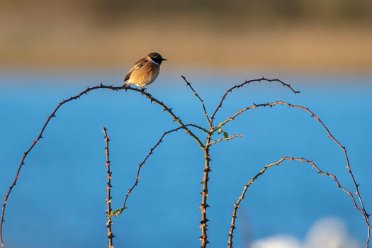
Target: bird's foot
{"x": 144, "y": 90}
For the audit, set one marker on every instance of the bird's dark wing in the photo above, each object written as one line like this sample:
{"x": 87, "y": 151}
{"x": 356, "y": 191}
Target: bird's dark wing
{"x": 136, "y": 66}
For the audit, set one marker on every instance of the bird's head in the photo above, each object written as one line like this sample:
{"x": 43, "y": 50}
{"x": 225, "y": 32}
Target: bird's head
{"x": 156, "y": 57}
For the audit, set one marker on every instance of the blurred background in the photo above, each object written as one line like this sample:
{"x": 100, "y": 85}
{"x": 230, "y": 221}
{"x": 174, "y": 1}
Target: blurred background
{"x": 51, "y": 50}
{"x": 307, "y": 35}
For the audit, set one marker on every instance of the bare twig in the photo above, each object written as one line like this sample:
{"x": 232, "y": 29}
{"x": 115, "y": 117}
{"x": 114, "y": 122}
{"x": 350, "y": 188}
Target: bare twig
{"x": 204, "y": 205}
{"x": 175, "y": 118}
{"x": 263, "y": 170}
{"x": 206, "y": 150}
{"x": 360, "y": 208}
{"x": 205, "y": 147}
{"x": 110, "y": 235}
{"x": 197, "y": 127}
{"x": 219, "y": 106}
{"x": 198, "y": 96}
{"x": 53, "y": 114}
{"x": 139, "y": 167}
{"x": 228, "y": 138}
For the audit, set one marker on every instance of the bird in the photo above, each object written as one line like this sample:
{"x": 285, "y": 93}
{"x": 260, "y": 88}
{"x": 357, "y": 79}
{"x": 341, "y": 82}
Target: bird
{"x": 144, "y": 71}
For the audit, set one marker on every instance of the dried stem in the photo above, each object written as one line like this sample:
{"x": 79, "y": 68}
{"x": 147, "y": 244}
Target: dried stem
{"x": 110, "y": 235}
{"x": 53, "y": 114}
{"x": 360, "y": 208}
{"x": 219, "y": 106}
{"x": 204, "y": 205}
{"x": 228, "y": 138}
{"x": 205, "y": 147}
{"x": 139, "y": 167}
{"x": 209, "y": 143}
{"x": 263, "y": 170}
{"x": 206, "y": 150}
{"x": 199, "y": 98}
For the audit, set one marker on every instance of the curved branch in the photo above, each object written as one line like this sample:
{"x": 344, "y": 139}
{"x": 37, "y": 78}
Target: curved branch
{"x": 360, "y": 208}
{"x": 197, "y": 127}
{"x": 140, "y": 165}
{"x": 263, "y": 170}
{"x": 200, "y": 99}
{"x": 237, "y": 86}
{"x": 53, "y": 114}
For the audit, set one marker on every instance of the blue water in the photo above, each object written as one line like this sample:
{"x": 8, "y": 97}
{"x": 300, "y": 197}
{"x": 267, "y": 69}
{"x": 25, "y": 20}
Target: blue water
{"x": 60, "y": 198}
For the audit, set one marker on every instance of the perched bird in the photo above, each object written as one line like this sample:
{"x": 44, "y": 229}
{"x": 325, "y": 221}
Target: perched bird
{"x": 145, "y": 70}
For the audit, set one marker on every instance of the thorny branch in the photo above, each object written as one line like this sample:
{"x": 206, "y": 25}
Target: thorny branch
{"x": 199, "y": 98}
{"x": 263, "y": 170}
{"x": 228, "y": 138}
{"x": 360, "y": 208}
{"x": 110, "y": 235}
{"x": 207, "y": 169}
{"x": 247, "y": 82}
{"x": 204, "y": 205}
{"x": 205, "y": 147}
{"x": 139, "y": 167}
{"x": 53, "y": 114}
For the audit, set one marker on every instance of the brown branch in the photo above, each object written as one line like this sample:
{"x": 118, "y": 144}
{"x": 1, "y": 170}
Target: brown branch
{"x": 204, "y": 205}
{"x": 139, "y": 167}
{"x": 197, "y": 127}
{"x": 361, "y": 208}
{"x": 263, "y": 170}
{"x": 53, "y": 114}
{"x": 228, "y": 138}
{"x": 206, "y": 150}
{"x": 208, "y": 143}
{"x": 175, "y": 118}
{"x": 205, "y": 179}
{"x": 110, "y": 235}
{"x": 200, "y": 99}
{"x": 219, "y": 106}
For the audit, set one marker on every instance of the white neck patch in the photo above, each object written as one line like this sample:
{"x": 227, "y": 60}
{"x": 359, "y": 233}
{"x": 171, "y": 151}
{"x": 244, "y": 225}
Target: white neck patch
{"x": 154, "y": 62}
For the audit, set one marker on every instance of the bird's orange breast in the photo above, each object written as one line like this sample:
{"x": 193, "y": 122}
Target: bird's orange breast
{"x": 144, "y": 75}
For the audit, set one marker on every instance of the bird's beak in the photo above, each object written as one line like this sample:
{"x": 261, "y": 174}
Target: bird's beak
{"x": 164, "y": 59}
